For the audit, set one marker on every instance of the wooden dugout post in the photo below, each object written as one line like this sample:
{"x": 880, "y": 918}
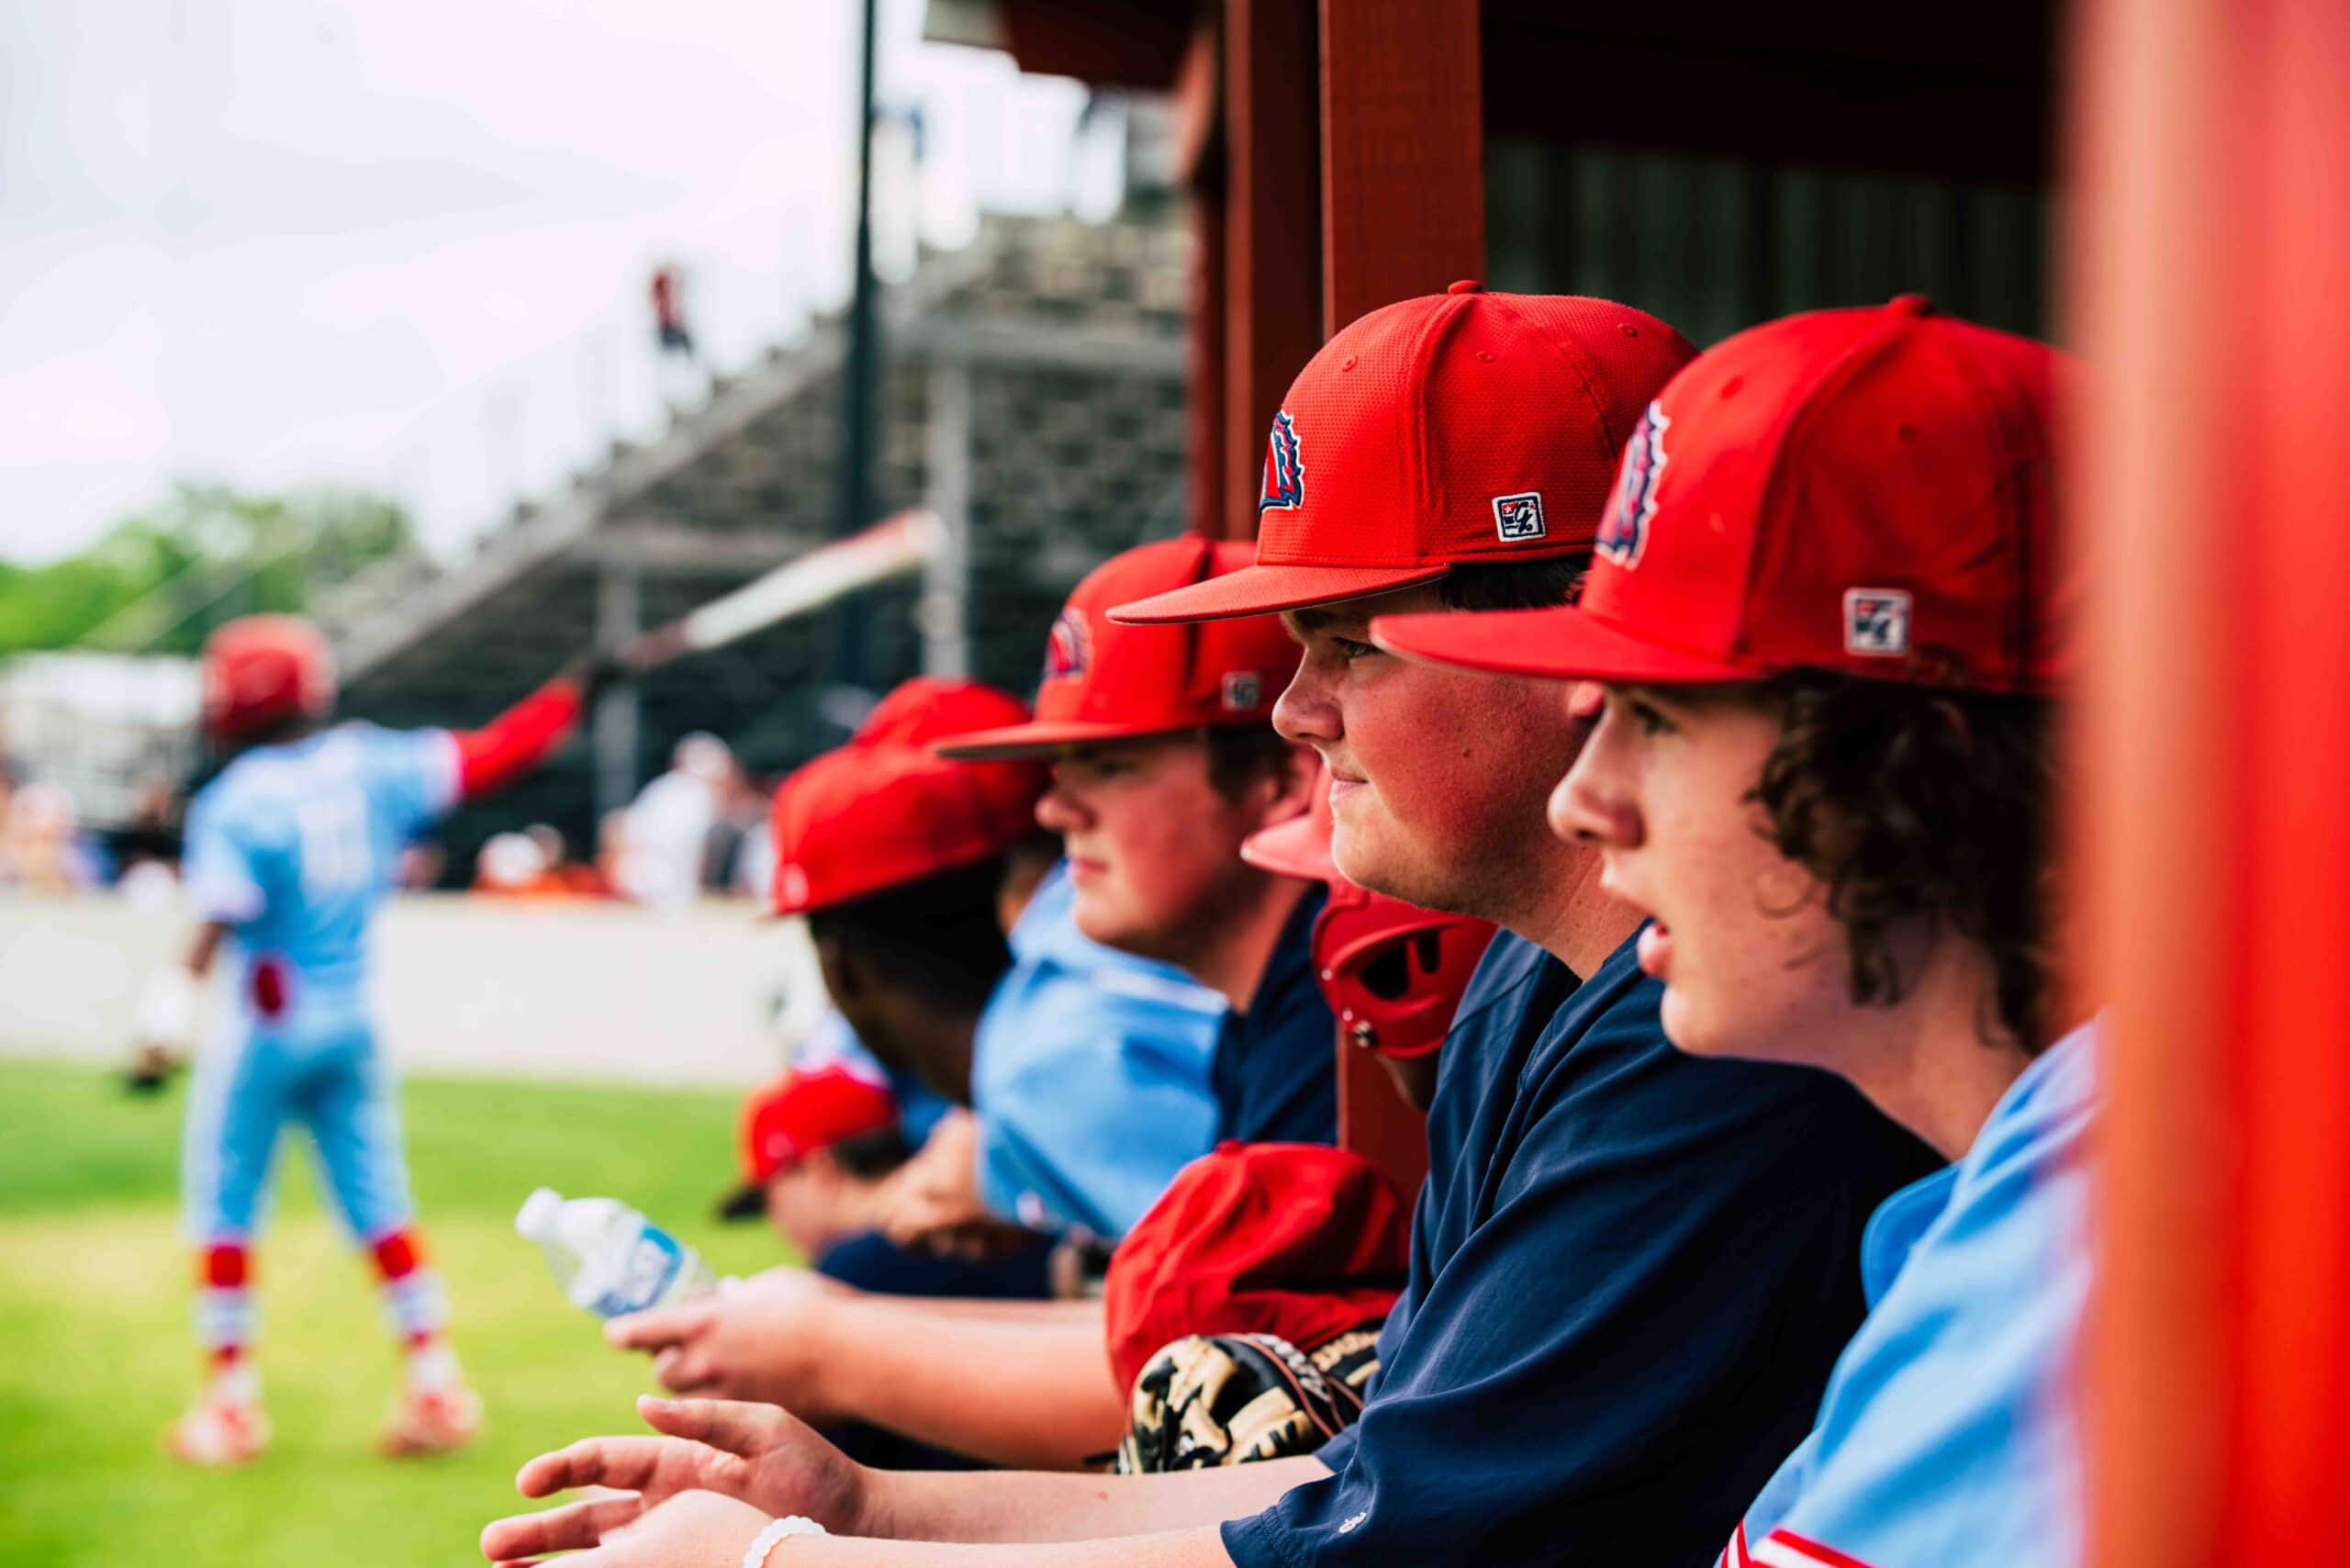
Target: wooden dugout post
{"x": 1402, "y": 213}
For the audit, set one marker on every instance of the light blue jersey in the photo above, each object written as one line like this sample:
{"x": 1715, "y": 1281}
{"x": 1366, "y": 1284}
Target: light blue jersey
{"x": 1091, "y": 1075}
{"x": 293, "y": 847}
{"x": 1945, "y": 1436}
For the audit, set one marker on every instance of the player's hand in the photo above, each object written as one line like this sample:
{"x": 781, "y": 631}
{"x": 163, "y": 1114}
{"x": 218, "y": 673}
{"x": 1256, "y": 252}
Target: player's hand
{"x": 754, "y": 1453}
{"x": 768, "y": 1338}
{"x": 935, "y": 1196}
{"x": 689, "y": 1530}
{"x": 595, "y": 671}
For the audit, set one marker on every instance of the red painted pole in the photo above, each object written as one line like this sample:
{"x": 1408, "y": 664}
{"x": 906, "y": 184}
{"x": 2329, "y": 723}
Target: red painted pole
{"x": 2210, "y": 288}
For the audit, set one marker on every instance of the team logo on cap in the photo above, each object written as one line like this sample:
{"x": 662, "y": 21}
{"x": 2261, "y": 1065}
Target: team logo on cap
{"x": 1068, "y": 648}
{"x": 1518, "y": 518}
{"x": 1876, "y": 622}
{"x": 1624, "y": 532}
{"x": 1243, "y": 691}
{"x": 1284, "y": 469}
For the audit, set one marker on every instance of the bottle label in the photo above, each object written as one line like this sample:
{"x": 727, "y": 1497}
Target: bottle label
{"x": 652, "y": 1263}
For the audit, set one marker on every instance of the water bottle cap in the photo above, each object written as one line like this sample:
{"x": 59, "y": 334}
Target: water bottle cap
{"x": 535, "y": 1222}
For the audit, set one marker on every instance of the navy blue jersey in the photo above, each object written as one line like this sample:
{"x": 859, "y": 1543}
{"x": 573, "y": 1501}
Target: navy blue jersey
{"x": 1276, "y": 1068}
{"x": 1631, "y": 1271}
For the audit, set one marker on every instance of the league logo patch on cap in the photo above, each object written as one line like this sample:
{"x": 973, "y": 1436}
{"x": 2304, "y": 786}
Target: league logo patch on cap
{"x": 1243, "y": 691}
{"x": 1284, "y": 468}
{"x": 1877, "y": 622}
{"x": 1624, "y": 532}
{"x": 1519, "y": 516}
{"x": 1068, "y": 647}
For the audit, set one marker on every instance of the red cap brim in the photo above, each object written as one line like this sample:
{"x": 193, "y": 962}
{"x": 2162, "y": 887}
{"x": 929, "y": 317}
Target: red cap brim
{"x": 1263, "y": 590}
{"x": 1299, "y": 847}
{"x": 1557, "y": 645}
{"x": 745, "y": 1202}
{"x": 1045, "y": 736}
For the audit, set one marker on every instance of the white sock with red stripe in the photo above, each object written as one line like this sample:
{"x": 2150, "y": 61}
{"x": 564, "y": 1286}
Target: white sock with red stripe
{"x": 417, "y": 1309}
{"x": 224, "y": 1319}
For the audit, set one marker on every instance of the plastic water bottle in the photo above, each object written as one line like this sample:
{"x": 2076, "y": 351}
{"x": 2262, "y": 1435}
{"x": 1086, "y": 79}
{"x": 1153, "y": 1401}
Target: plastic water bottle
{"x": 609, "y": 1259}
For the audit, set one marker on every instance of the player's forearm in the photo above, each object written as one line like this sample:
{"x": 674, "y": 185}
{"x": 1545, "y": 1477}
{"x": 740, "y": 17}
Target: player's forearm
{"x": 206, "y": 947}
{"x": 1026, "y": 1505}
{"x": 1033, "y": 1395}
{"x": 517, "y": 740}
{"x": 1199, "y": 1548}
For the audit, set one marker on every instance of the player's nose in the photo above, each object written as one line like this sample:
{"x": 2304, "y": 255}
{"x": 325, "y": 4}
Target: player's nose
{"x": 1059, "y": 810}
{"x": 1307, "y": 711}
{"x": 1587, "y": 806}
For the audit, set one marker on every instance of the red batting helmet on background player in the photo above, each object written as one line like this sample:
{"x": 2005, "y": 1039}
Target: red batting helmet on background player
{"x": 1392, "y": 971}
{"x": 261, "y": 669}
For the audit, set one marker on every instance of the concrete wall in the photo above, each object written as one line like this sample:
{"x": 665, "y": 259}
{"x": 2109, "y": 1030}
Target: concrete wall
{"x": 557, "y": 989}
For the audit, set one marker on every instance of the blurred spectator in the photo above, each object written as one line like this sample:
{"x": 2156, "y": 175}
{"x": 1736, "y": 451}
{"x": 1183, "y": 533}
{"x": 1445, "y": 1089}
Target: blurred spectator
{"x": 146, "y": 850}
{"x": 513, "y": 864}
{"x": 38, "y": 846}
{"x": 611, "y": 847}
{"x": 577, "y": 878}
{"x": 669, "y": 330}
{"x": 420, "y": 865}
{"x": 531, "y": 864}
{"x": 665, "y": 838}
{"x": 738, "y": 833}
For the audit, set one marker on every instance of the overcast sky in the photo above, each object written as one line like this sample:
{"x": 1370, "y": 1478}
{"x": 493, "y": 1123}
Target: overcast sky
{"x": 404, "y": 244}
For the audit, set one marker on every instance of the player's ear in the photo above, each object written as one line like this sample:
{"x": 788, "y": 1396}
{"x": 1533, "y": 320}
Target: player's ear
{"x": 1292, "y": 783}
{"x": 845, "y": 979}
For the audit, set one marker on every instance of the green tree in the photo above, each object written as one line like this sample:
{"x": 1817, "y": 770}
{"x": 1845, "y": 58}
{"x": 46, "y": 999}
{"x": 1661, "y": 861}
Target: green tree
{"x": 162, "y": 580}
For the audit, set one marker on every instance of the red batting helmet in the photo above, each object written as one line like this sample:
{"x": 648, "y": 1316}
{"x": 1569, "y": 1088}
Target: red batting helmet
{"x": 262, "y": 668}
{"x": 1393, "y": 972}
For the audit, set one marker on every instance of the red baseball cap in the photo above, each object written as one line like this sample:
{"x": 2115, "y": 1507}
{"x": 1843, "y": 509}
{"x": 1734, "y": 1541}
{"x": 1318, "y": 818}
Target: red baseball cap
{"x": 787, "y": 1120}
{"x": 1108, "y": 682}
{"x": 1868, "y": 491}
{"x": 1294, "y": 1240}
{"x": 258, "y": 668}
{"x": 886, "y": 810}
{"x": 1455, "y": 428}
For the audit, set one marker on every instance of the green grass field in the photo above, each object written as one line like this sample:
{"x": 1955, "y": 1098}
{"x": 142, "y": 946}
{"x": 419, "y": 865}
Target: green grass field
{"x": 97, "y": 1353}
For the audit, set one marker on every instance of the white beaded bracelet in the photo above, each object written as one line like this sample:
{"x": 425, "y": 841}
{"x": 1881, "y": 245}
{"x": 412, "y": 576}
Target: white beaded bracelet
{"x": 778, "y": 1529}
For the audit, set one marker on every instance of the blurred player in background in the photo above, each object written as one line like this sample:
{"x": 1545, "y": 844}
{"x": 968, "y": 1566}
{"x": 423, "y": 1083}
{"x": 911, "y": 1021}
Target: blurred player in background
{"x": 290, "y": 849}
{"x": 817, "y": 1148}
{"x": 663, "y": 855}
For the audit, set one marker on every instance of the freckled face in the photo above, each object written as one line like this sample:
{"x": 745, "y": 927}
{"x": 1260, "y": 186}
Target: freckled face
{"x": 1753, "y": 964}
{"x": 1438, "y": 776}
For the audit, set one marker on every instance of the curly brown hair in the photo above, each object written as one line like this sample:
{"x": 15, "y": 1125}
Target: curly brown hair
{"x": 1914, "y": 806}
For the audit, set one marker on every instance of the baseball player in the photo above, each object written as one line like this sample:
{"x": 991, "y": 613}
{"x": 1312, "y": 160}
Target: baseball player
{"x": 1631, "y": 1270}
{"x": 1243, "y": 1312}
{"x": 1826, "y": 611}
{"x": 289, "y": 850}
{"x": 815, "y": 1145}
